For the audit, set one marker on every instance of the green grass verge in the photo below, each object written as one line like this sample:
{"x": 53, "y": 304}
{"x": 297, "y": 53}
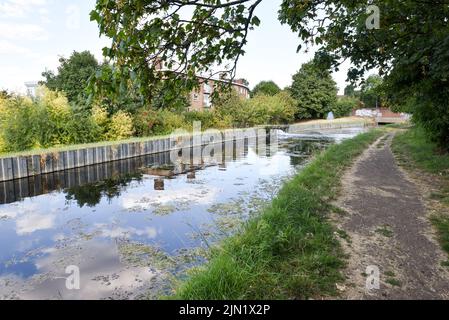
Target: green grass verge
{"x": 290, "y": 250}
{"x": 414, "y": 150}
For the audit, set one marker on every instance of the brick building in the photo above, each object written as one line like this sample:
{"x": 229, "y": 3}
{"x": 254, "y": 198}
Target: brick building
{"x": 200, "y": 99}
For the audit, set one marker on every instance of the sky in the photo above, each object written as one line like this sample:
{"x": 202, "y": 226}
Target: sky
{"x": 35, "y": 33}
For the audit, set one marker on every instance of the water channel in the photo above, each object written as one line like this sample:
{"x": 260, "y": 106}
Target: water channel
{"x": 133, "y": 226}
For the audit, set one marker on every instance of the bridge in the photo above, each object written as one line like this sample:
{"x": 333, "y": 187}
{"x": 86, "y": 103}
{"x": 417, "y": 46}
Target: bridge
{"x": 390, "y": 120}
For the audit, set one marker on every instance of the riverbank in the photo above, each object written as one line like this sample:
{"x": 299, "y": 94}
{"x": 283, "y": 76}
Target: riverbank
{"x": 37, "y": 162}
{"x": 291, "y": 249}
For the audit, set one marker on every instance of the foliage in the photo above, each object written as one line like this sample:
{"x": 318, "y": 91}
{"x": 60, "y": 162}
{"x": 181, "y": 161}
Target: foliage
{"x": 148, "y": 35}
{"x": 73, "y": 76}
{"x": 209, "y": 119}
{"x": 410, "y": 47}
{"x": 314, "y": 90}
{"x": 262, "y": 109}
{"x": 350, "y": 90}
{"x": 269, "y": 88}
{"x": 166, "y": 122}
{"x": 117, "y": 127}
{"x": 120, "y": 126}
{"x": 289, "y": 250}
{"x": 47, "y": 121}
{"x": 371, "y": 94}
{"x": 344, "y": 106}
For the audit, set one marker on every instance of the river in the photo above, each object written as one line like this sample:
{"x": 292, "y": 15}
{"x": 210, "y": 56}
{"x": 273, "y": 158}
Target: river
{"x": 131, "y": 227}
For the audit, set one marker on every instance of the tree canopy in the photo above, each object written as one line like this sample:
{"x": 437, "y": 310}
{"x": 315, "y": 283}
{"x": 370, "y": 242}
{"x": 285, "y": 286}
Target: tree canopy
{"x": 269, "y": 88}
{"x": 371, "y": 94}
{"x": 409, "y": 47}
{"x": 314, "y": 91}
{"x": 73, "y": 75}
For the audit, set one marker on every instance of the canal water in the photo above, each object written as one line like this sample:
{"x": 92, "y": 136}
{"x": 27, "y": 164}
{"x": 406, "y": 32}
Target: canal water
{"x": 131, "y": 227}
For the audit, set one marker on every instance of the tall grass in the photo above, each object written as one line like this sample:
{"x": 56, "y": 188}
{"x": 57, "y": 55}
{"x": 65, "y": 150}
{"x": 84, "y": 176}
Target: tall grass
{"x": 290, "y": 249}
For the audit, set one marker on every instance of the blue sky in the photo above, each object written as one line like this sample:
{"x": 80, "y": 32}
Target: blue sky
{"x": 34, "y": 33}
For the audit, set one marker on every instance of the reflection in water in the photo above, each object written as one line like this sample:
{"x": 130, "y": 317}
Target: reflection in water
{"x": 159, "y": 184}
{"x": 132, "y": 225}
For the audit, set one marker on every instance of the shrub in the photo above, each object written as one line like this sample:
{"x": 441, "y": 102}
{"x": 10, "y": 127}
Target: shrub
{"x": 143, "y": 121}
{"x": 120, "y": 126}
{"x": 55, "y": 114}
{"x": 344, "y": 106}
{"x": 262, "y": 109}
{"x": 166, "y": 122}
{"x": 46, "y": 121}
{"x": 117, "y": 127}
{"x": 101, "y": 120}
{"x": 207, "y": 118}
{"x": 20, "y": 123}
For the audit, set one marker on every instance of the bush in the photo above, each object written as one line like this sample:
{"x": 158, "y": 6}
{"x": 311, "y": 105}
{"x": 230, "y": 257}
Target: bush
{"x": 262, "y": 109}
{"x": 117, "y": 127}
{"x": 44, "y": 122}
{"x": 166, "y": 122}
{"x": 344, "y": 106}
{"x": 143, "y": 121}
{"x": 207, "y": 118}
{"x": 20, "y": 123}
{"x": 120, "y": 126}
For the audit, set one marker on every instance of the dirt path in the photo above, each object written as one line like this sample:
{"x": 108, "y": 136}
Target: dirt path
{"x": 385, "y": 226}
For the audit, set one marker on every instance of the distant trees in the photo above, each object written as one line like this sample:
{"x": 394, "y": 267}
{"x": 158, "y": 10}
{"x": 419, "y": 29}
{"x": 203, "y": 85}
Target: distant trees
{"x": 314, "y": 90}
{"x": 370, "y": 93}
{"x": 269, "y": 88}
{"x": 72, "y": 76}
{"x": 344, "y": 106}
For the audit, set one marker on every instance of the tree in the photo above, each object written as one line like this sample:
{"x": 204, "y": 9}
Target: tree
{"x": 349, "y": 90}
{"x": 409, "y": 46}
{"x": 344, "y": 106}
{"x": 269, "y": 88}
{"x": 314, "y": 90}
{"x": 150, "y": 34}
{"x": 371, "y": 94}
{"x": 73, "y": 75}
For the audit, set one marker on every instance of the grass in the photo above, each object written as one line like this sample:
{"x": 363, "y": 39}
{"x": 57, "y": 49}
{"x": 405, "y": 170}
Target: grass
{"x": 385, "y": 231}
{"x": 415, "y": 151}
{"x": 290, "y": 250}
{"x": 393, "y": 282}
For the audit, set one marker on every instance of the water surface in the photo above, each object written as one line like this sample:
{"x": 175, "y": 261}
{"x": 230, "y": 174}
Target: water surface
{"x": 134, "y": 225}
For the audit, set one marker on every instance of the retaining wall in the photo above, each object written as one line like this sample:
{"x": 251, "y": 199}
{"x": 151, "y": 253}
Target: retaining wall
{"x": 29, "y": 165}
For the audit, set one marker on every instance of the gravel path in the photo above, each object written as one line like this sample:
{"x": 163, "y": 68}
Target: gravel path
{"x": 385, "y": 226}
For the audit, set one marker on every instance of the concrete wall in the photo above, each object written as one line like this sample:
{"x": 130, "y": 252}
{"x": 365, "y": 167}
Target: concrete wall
{"x": 325, "y": 125}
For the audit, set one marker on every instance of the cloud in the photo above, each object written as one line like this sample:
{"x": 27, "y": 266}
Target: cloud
{"x": 7, "y": 47}
{"x": 16, "y": 31}
{"x": 19, "y": 8}
{"x": 32, "y": 222}
{"x": 127, "y": 232}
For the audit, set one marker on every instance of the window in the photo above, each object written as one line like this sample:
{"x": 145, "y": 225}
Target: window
{"x": 206, "y": 100}
{"x": 206, "y": 87}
